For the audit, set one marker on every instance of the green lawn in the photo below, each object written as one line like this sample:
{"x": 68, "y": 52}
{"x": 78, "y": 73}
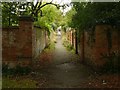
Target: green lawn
{"x": 18, "y": 83}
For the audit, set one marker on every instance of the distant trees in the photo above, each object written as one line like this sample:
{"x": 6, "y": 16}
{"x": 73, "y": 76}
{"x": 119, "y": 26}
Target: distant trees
{"x": 67, "y": 21}
{"x": 51, "y": 18}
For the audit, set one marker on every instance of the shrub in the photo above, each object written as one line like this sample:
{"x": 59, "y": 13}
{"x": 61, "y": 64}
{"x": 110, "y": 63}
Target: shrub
{"x": 22, "y": 70}
{"x": 18, "y": 70}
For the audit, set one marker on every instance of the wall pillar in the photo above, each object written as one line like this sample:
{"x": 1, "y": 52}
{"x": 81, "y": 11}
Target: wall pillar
{"x": 25, "y": 38}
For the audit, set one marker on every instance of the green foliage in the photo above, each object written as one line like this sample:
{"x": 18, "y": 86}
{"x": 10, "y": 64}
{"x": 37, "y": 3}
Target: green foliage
{"x": 18, "y": 70}
{"x": 68, "y": 46}
{"x": 12, "y": 10}
{"x": 18, "y": 83}
{"x": 50, "y": 19}
{"x": 50, "y": 47}
{"x": 67, "y": 20}
{"x": 9, "y": 13}
{"x": 89, "y": 13}
{"x": 22, "y": 70}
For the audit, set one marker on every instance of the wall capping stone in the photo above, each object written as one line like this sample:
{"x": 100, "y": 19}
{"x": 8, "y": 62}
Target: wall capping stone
{"x": 10, "y": 27}
{"x": 26, "y": 18}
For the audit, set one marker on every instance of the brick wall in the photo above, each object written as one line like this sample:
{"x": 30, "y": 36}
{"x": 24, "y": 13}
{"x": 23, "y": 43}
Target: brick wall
{"x": 9, "y": 43}
{"x": 70, "y": 34}
{"x": 21, "y": 44}
{"x": 95, "y": 44}
{"x": 17, "y": 43}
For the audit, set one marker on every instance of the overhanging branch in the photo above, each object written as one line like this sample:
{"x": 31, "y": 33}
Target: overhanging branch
{"x": 48, "y": 4}
{"x": 39, "y": 5}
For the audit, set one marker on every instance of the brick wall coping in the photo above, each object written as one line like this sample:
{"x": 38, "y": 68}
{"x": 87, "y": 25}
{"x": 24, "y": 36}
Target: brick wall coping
{"x": 26, "y": 18}
{"x": 10, "y": 28}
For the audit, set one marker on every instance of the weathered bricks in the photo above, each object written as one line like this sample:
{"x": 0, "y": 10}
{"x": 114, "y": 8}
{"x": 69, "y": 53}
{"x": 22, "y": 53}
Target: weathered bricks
{"x": 17, "y": 42}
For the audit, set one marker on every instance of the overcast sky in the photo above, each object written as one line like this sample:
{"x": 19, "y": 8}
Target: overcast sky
{"x": 61, "y": 2}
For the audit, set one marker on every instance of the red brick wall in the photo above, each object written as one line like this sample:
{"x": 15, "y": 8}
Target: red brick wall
{"x": 91, "y": 52}
{"x": 22, "y": 44}
{"x": 25, "y": 39}
{"x": 116, "y": 41}
{"x": 9, "y": 42}
{"x": 101, "y": 43}
{"x": 17, "y": 43}
{"x": 71, "y": 37}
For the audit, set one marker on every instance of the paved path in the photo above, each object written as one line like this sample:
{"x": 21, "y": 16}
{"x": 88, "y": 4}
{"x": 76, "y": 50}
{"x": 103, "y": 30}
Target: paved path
{"x": 61, "y": 55}
{"x": 64, "y": 71}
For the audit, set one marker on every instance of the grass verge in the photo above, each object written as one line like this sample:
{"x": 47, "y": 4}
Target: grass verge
{"x": 18, "y": 82}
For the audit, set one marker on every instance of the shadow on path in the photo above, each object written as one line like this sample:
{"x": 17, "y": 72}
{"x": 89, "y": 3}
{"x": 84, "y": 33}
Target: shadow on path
{"x": 64, "y": 71}
{"x": 61, "y": 55}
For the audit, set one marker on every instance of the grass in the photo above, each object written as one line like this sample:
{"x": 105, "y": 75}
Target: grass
{"x": 68, "y": 46}
{"x": 50, "y": 47}
{"x": 16, "y": 77}
{"x": 18, "y": 83}
{"x": 45, "y": 57}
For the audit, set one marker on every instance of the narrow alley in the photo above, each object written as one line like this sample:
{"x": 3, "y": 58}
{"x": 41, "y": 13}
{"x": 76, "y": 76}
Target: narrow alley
{"x": 64, "y": 71}
{"x": 60, "y": 44}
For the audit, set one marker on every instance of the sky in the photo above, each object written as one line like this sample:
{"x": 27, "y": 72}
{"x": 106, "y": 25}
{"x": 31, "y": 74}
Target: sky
{"x": 61, "y": 2}
{"x": 58, "y": 1}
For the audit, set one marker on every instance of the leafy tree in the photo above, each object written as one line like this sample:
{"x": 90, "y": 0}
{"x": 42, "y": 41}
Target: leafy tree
{"x": 11, "y": 10}
{"x": 9, "y": 13}
{"x": 51, "y": 18}
{"x": 90, "y": 13}
{"x": 87, "y": 14}
{"x": 67, "y": 19}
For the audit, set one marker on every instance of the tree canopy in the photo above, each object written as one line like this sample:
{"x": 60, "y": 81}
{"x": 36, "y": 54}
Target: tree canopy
{"x": 51, "y": 18}
{"x": 89, "y": 13}
{"x": 11, "y": 10}
{"x": 9, "y": 13}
